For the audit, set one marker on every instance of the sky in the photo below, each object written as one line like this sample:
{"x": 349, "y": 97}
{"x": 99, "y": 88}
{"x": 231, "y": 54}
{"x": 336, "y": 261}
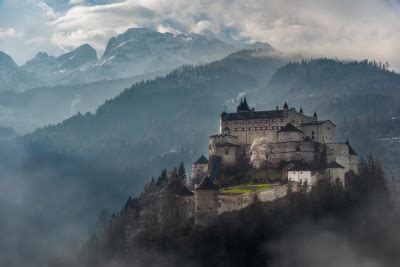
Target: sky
{"x": 346, "y": 29}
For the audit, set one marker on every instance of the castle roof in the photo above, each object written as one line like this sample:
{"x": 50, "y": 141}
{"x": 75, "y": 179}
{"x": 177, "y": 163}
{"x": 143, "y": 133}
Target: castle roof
{"x": 201, "y": 160}
{"x": 334, "y": 165}
{"x": 318, "y": 122}
{"x": 252, "y": 115}
{"x": 175, "y": 187}
{"x": 351, "y": 150}
{"x": 207, "y": 184}
{"x": 285, "y": 106}
{"x": 289, "y": 128}
{"x": 243, "y": 106}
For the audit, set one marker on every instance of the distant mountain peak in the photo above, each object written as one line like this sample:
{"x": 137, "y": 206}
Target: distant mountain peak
{"x": 77, "y": 57}
{"x": 6, "y": 59}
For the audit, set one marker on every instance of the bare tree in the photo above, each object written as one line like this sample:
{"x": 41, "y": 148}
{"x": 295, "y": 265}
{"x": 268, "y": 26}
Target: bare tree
{"x": 261, "y": 153}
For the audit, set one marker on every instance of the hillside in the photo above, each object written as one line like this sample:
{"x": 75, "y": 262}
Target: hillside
{"x": 158, "y": 123}
{"x": 181, "y": 109}
{"x": 166, "y": 114}
{"x": 41, "y": 106}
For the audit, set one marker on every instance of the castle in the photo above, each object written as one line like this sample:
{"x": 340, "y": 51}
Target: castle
{"x": 293, "y": 136}
{"x": 301, "y": 147}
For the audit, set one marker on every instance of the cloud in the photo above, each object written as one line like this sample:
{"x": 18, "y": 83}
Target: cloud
{"x": 345, "y": 29}
{"x": 9, "y": 33}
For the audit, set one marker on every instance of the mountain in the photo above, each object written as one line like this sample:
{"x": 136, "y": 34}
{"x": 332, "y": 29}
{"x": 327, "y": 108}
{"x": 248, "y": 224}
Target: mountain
{"x": 12, "y": 77}
{"x": 31, "y": 109}
{"x": 58, "y": 70}
{"x": 138, "y": 51}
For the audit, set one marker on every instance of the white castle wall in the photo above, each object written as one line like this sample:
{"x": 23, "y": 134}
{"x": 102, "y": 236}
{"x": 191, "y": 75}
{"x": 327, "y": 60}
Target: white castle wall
{"x": 321, "y": 133}
{"x": 338, "y": 152}
{"x": 237, "y": 202}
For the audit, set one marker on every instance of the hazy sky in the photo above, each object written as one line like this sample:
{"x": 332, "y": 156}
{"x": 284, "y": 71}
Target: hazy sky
{"x": 341, "y": 28}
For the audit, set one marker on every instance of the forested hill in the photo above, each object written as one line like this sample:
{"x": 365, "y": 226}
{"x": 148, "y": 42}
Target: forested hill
{"x": 173, "y": 113}
{"x": 180, "y": 110}
{"x": 363, "y": 98}
{"x": 95, "y": 161}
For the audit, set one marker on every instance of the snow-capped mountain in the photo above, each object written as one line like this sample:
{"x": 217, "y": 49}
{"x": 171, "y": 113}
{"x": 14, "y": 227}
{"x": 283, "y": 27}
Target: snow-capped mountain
{"x": 137, "y": 51}
{"x": 12, "y": 78}
{"x": 57, "y": 70}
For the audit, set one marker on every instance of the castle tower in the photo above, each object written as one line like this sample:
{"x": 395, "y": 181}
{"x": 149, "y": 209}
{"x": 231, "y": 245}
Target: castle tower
{"x": 174, "y": 199}
{"x": 199, "y": 170}
{"x": 285, "y": 106}
{"x": 315, "y": 116}
{"x": 243, "y": 106}
{"x": 206, "y": 203}
{"x": 353, "y": 158}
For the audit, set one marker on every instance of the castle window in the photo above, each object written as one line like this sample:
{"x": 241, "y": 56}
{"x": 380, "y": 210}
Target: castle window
{"x": 249, "y": 129}
{"x": 210, "y": 208}
{"x": 273, "y": 120}
{"x": 227, "y": 151}
{"x": 198, "y": 208}
{"x": 281, "y": 120}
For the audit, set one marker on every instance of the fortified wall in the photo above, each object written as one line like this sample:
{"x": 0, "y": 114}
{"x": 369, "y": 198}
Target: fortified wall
{"x": 206, "y": 203}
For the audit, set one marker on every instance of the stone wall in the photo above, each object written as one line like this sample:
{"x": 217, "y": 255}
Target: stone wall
{"x": 338, "y": 152}
{"x": 199, "y": 171}
{"x": 228, "y": 202}
{"x": 205, "y": 206}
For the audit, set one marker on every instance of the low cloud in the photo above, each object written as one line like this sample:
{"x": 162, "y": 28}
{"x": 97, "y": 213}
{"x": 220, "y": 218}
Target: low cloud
{"x": 9, "y": 33}
{"x": 345, "y": 29}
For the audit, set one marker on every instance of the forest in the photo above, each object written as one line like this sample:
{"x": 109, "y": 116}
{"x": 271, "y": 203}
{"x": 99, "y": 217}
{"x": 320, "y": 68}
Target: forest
{"x": 280, "y": 233}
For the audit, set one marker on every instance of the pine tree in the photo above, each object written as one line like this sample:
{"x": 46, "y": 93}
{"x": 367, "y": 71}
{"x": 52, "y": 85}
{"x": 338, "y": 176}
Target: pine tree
{"x": 162, "y": 179}
{"x": 182, "y": 172}
{"x": 103, "y": 221}
{"x": 173, "y": 175}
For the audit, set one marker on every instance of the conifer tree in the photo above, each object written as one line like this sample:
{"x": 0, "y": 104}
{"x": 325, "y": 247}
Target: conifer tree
{"x": 182, "y": 172}
{"x": 162, "y": 179}
{"x": 173, "y": 175}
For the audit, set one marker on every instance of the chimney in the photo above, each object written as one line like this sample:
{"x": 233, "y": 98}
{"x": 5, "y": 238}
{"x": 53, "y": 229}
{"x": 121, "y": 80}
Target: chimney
{"x": 277, "y": 107}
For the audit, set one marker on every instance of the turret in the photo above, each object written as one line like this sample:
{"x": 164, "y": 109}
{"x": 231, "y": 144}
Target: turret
{"x": 285, "y": 106}
{"x": 206, "y": 203}
{"x": 199, "y": 170}
{"x": 243, "y": 106}
{"x": 315, "y": 116}
{"x": 171, "y": 203}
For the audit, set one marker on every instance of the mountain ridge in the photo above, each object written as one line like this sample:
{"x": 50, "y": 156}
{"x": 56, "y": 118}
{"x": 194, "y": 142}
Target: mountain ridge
{"x": 137, "y": 51}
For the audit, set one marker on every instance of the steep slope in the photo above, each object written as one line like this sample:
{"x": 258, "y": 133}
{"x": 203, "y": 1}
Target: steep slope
{"x": 164, "y": 114}
{"x": 182, "y": 109}
{"x": 12, "y": 77}
{"x": 29, "y": 110}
